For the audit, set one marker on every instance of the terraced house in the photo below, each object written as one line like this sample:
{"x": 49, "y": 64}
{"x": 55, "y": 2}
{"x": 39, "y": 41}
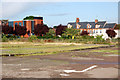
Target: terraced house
{"x": 94, "y": 28}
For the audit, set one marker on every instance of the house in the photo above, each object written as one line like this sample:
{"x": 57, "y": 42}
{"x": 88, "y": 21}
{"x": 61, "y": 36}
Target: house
{"x": 94, "y": 28}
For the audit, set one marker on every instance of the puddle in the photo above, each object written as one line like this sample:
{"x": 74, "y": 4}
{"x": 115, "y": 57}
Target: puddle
{"x": 64, "y": 75}
{"x": 25, "y": 69}
{"x": 103, "y": 73}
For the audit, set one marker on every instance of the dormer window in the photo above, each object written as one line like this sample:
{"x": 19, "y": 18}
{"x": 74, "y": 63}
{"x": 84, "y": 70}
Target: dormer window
{"x": 88, "y": 26}
{"x": 78, "y": 26}
{"x": 97, "y": 26}
{"x": 69, "y": 26}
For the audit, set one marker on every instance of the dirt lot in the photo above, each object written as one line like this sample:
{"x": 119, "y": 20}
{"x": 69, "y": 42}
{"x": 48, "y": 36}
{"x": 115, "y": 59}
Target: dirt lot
{"x": 53, "y": 66}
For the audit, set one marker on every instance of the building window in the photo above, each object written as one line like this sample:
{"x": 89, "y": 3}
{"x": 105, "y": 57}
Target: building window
{"x": 10, "y": 24}
{"x": 93, "y": 31}
{"x": 80, "y": 31}
{"x": 100, "y": 31}
{"x": 69, "y": 26}
{"x": 20, "y": 24}
{"x": 41, "y": 22}
{"x": 88, "y": 25}
{"x": 88, "y": 31}
{"x": 96, "y": 31}
{"x": 16, "y": 24}
{"x": 78, "y": 26}
{"x": 32, "y": 25}
{"x": 97, "y": 26}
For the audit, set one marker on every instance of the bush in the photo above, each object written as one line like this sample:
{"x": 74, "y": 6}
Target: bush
{"x": 12, "y": 37}
{"x": 99, "y": 40}
{"x": 4, "y": 38}
{"x": 32, "y": 37}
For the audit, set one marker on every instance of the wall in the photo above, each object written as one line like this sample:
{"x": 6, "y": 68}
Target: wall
{"x": 105, "y": 36}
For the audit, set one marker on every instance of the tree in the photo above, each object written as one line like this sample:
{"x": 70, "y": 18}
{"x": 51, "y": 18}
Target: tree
{"x": 55, "y": 27}
{"x": 117, "y": 26}
{"x": 84, "y": 33}
{"x": 20, "y": 30}
{"x": 111, "y": 33}
{"x": 51, "y": 33}
{"x": 40, "y": 30}
{"x": 70, "y": 32}
{"x": 60, "y": 29}
{"x": 7, "y": 29}
{"x": 29, "y": 18}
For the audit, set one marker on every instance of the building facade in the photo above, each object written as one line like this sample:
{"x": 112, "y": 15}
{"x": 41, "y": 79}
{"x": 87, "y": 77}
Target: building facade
{"x": 94, "y": 28}
{"x": 29, "y": 24}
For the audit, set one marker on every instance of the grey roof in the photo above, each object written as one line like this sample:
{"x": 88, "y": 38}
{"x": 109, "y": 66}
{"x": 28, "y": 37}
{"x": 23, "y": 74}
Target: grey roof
{"x": 110, "y": 25}
{"x": 101, "y": 23}
{"x": 73, "y": 24}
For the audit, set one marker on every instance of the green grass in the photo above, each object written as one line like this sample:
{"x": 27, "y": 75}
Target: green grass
{"x": 106, "y": 51}
{"x": 41, "y": 49}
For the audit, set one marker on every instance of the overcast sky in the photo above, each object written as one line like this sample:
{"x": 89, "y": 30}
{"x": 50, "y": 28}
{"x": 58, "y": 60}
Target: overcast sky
{"x": 55, "y": 13}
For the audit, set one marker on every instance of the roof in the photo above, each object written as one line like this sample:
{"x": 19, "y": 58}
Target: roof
{"x": 38, "y": 17}
{"x": 101, "y": 23}
{"x": 110, "y": 25}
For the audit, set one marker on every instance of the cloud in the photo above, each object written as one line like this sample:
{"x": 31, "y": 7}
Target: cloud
{"x": 61, "y": 14}
{"x": 59, "y": 0}
{"x": 10, "y": 9}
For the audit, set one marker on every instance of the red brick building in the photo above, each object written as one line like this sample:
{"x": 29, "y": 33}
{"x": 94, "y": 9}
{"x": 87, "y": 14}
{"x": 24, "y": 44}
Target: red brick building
{"x": 29, "y": 24}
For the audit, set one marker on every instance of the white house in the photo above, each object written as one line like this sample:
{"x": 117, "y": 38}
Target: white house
{"x": 94, "y": 28}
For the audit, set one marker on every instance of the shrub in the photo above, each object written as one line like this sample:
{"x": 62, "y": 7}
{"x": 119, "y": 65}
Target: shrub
{"x": 111, "y": 33}
{"x": 12, "y": 37}
{"x": 60, "y": 29}
{"x": 50, "y": 34}
{"x": 32, "y": 37}
{"x": 99, "y": 40}
{"x": 20, "y": 30}
{"x": 4, "y": 39}
{"x": 84, "y": 33}
{"x": 7, "y": 29}
{"x": 40, "y": 30}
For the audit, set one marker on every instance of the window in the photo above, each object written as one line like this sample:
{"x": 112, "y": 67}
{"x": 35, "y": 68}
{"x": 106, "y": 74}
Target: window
{"x": 41, "y": 22}
{"x": 88, "y": 25}
{"x": 100, "y": 31}
{"x": 16, "y": 24}
{"x": 97, "y": 26}
{"x": 32, "y": 25}
{"x": 20, "y": 23}
{"x": 88, "y": 31}
{"x": 80, "y": 31}
{"x": 96, "y": 31}
{"x": 93, "y": 31}
{"x": 10, "y": 24}
{"x": 78, "y": 26}
{"x": 69, "y": 26}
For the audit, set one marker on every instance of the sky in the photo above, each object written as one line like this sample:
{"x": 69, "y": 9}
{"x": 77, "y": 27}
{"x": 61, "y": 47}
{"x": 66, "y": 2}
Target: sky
{"x": 119, "y": 12}
{"x": 55, "y": 13}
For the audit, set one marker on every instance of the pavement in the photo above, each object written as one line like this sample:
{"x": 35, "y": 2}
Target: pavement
{"x": 54, "y": 66}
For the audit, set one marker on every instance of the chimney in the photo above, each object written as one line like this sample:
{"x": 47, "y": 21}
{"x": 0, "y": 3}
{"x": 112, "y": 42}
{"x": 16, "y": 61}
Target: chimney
{"x": 96, "y": 20}
{"x": 77, "y": 20}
